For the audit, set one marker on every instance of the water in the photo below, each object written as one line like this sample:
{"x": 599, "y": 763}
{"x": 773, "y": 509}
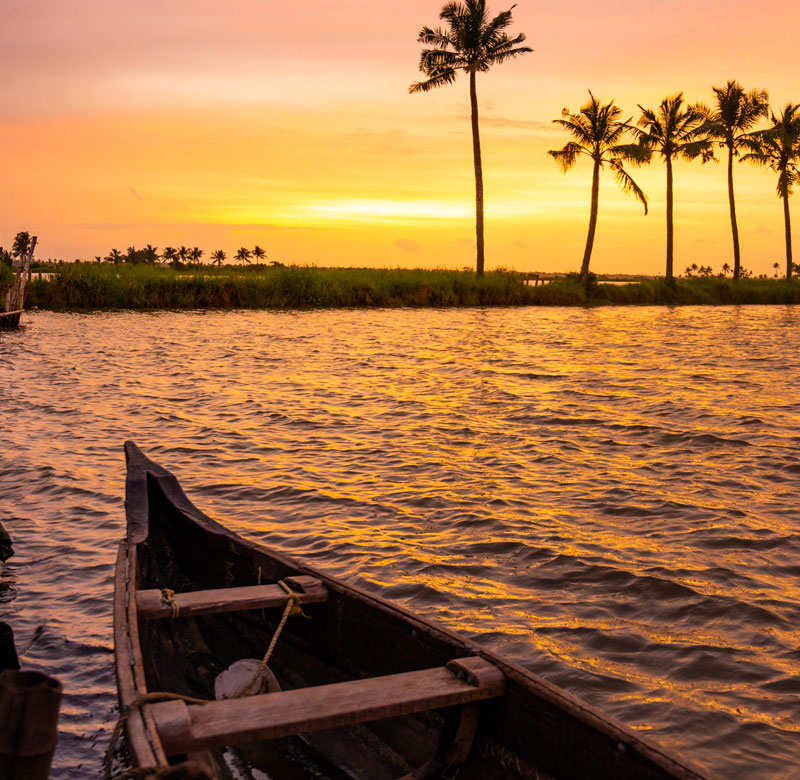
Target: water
{"x": 607, "y": 496}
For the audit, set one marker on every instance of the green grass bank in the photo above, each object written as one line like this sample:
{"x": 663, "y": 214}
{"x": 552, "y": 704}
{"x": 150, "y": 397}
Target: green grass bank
{"x": 91, "y": 286}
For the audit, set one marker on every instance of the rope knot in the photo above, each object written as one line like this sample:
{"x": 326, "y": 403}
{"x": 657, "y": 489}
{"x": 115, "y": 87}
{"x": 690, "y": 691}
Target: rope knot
{"x": 168, "y": 598}
{"x": 293, "y": 599}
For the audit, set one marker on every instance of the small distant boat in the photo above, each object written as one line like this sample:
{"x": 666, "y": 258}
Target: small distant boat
{"x": 12, "y": 297}
{"x": 360, "y": 688}
{"x": 9, "y": 319}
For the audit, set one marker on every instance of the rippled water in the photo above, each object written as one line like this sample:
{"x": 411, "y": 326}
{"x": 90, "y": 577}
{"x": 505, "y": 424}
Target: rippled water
{"x": 608, "y": 496}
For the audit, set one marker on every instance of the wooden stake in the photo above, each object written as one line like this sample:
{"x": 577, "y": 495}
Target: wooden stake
{"x": 8, "y": 651}
{"x": 29, "y": 704}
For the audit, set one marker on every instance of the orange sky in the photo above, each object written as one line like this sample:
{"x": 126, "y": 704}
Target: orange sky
{"x": 240, "y": 123}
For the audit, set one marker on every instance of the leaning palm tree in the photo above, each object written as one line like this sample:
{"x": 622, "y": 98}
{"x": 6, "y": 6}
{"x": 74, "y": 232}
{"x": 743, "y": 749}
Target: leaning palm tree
{"x": 676, "y": 131}
{"x": 218, "y": 258}
{"x": 730, "y": 121}
{"x": 599, "y": 134}
{"x": 471, "y": 42}
{"x": 778, "y": 147}
{"x": 243, "y": 255}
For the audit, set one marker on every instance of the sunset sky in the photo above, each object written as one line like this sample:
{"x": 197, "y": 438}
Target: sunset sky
{"x": 289, "y": 125}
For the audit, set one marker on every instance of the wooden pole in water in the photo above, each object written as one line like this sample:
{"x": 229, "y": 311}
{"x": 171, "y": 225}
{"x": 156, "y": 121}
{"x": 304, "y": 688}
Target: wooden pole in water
{"x": 8, "y": 650}
{"x": 29, "y": 704}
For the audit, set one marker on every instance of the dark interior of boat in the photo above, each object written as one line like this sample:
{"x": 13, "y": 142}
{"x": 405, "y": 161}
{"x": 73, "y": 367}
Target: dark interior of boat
{"x": 345, "y": 638}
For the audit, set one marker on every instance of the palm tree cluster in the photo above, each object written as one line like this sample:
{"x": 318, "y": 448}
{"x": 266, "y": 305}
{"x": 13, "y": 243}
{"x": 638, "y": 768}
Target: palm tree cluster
{"x": 679, "y": 131}
{"x": 472, "y": 41}
{"x": 179, "y": 257}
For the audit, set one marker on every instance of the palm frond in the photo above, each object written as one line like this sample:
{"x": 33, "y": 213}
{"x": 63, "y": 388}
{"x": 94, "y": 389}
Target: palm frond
{"x": 438, "y": 79}
{"x": 567, "y": 156}
{"x": 627, "y": 184}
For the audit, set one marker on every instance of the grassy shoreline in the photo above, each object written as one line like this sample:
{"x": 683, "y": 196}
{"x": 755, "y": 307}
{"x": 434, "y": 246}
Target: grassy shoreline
{"x": 90, "y": 286}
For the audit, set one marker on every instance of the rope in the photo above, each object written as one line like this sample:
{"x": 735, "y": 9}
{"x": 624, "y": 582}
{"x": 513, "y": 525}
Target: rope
{"x": 125, "y": 713}
{"x": 168, "y": 598}
{"x": 293, "y": 607}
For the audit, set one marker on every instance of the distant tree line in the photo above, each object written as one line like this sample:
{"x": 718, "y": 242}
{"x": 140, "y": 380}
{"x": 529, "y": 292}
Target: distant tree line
{"x": 180, "y": 257}
{"x": 471, "y": 42}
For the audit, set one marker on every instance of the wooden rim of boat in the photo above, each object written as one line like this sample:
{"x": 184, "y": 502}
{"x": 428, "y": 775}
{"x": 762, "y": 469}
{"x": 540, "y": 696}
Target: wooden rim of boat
{"x": 142, "y": 733}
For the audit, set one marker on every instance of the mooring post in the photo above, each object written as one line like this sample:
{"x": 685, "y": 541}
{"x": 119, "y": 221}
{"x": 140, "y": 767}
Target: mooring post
{"x": 29, "y": 704}
{"x": 8, "y": 650}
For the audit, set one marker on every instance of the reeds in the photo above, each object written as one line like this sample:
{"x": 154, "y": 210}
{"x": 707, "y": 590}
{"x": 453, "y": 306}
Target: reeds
{"x": 89, "y": 286}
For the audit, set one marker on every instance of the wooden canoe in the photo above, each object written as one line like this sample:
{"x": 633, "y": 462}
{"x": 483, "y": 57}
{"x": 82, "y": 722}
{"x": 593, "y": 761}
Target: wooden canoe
{"x": 368, "y": 690}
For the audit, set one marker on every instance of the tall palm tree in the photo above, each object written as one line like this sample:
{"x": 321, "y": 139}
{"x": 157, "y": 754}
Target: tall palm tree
{"x": 183, "y": 253}
{"x": 150, "y": 253}
{"x": 676, "y": 131}
{"x": 114, "y": 256}
{"x": 218, "y": 258}
{"x": 778, "y": 147}
{"x": 729, "y": 122}
{"x": 259, "y": 253}
{"x": 599, "y": 134}
{"x": 169, "y": 255}
{"x": 243, "y": 255}
{"x": 195, "y": 254}
{"x": 470, "y": 42}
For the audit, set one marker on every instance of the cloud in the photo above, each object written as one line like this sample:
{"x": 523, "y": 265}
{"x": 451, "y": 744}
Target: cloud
{"x": 407, "y": 245}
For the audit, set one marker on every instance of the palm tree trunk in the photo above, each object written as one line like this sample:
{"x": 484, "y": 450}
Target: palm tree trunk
{"x": 788, "y": 225}
{"x": 587, "y": 252}
{"x": 669, "y": 219}
{"x": 737, "y": 261}
{"x": 476, "y": 153}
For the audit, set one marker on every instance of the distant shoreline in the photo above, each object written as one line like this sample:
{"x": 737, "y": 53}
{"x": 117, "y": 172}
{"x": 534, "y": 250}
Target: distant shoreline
{"x": 92, "y": 286}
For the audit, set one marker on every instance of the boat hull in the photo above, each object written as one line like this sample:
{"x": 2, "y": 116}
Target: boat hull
{"x": 534, "y": 730}
{"x": 10, "y": 319}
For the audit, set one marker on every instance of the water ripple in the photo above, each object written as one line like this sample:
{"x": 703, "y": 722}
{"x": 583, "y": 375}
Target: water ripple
{"x": 607, "y": 496}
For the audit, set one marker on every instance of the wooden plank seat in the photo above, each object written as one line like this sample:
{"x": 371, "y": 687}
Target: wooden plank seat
{"x": 183, "y": 727}
{"x": 152, "y": 604}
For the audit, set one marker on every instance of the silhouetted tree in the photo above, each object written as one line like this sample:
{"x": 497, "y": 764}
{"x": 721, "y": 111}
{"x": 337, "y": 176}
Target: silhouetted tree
{"x": 243, "y": 255}
{"x": 470, "y": 42}
{"x": 195, "y": 254}
{"x": 114, "y": 256}
{"x": 778, "y": 147}
{"x": 169, "y": 255}
{"x": 676, "y": 133}
{"x": 599, "y": 134}
{"x": 259, "y": 253}
{"x": 21, "y": 244}
{"x": 218, "y": 257}
{"x": 150, "y": 254}
{"x": 730, "y": 121}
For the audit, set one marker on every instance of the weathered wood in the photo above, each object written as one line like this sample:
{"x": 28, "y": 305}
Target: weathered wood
{"x": 274, "y": 715}
{"x": 15, "y": 297}
{"x": 188, "y": 770}
{"x": 151, "y": 604}
{"x": 8, "y": 650}
{"x": 9, "y": 319}
{"x": 29, "y": 703}
{"x": 143, "y": 744}
{"x": 546, "y": 731}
